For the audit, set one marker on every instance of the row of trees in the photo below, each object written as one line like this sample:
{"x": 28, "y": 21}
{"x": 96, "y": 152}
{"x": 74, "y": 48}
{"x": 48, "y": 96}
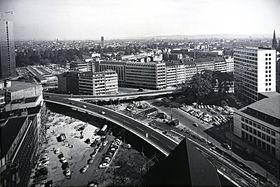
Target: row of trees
{"x": 61, "y": 56}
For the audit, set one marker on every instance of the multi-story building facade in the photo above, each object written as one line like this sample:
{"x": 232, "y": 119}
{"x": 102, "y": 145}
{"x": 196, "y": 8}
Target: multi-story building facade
{"x": 98, "y": 83}
{"x": 18, "y": 154}
{"x": 254, "y": 72}
{"x": 68, "y": 82}
{"x": 259, "y": 125}
{"x": 149, "y": 75}
{"x": 7, "y": 47}
{"x": 117, "y": 66}
{"x": 175, "y": 74}
{"x": 190, "y": 71}
{"x": 20, "y": 125}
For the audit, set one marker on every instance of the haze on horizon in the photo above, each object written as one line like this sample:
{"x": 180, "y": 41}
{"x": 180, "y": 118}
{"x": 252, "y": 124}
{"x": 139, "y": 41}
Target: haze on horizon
{"x": 90, "y": 19}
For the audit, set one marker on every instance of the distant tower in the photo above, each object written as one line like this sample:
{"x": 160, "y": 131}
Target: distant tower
{"x": 7, "y": 46}
{"x": 102, "y": 41}
{"x": 274, "y": 41}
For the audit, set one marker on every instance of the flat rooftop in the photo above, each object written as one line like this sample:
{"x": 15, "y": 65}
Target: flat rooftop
{"x": 269, "y": 106}
{"x": 270, "y": 94}
{"x": 18, "y": 85}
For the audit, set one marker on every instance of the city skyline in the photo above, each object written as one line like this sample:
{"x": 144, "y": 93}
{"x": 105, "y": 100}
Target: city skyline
{"x": 72, "y": 20}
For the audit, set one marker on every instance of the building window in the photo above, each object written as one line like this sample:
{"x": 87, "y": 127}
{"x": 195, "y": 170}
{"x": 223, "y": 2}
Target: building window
{"x": 254, "y": 131}
{"x": 273, "y": 133}
{"x": 273, "y": 141}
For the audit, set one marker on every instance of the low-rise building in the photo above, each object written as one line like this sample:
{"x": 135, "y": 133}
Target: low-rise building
{"x": 259, "y": 125}
{"x": 98, "y": 83}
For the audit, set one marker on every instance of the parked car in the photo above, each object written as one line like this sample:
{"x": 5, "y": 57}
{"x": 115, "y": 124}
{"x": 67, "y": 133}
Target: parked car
{"x": 227, "y": 146}
{"x": 103, "y": 165}
{"x": 84, "y": 169}
{"x": 195, "y": 124}
{"x": 90, "y": 161}
{"x": 67, "y": 172}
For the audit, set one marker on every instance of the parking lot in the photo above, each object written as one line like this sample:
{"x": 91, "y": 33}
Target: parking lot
{"x": 208, "y": 115}
{"x": 77, "y": 153}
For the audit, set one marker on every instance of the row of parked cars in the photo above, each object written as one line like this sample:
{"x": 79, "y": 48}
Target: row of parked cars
{"x": 41, "y": 170}
{"x": 64, "y": 163}
{"x": 107, "y": 157}
{"x": 205, "y": 117}
{"x": 97, "y": 144}
{"x": 197, "y": 113}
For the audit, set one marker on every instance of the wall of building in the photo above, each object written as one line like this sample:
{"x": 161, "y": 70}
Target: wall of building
{"x": 175, "y": 75}
{"x": 150, "y": 75}
{"x": 98, "y": 83}
{"x": 260, "y": 134}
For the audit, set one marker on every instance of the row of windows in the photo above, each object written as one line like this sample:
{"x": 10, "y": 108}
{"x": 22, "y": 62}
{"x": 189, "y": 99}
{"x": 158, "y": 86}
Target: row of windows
{"x": 268, "y": 89}
{"x": 267, "y": 58}
{"x": 263, "y": 128}
{"x": 268, "y": 54}
{"x": 267, "y": 67}
{"x": 258, "y": 133}
{"x": 264, "y": 146}
{"x": 267, "y": 63}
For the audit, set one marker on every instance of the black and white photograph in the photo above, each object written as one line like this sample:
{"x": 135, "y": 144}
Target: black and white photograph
{"x": 143, "y": 93}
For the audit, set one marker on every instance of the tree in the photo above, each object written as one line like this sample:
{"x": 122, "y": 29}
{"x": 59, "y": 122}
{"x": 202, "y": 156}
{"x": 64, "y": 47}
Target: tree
{"x": 201, "y": 85}
{"x": 223, "y": 78}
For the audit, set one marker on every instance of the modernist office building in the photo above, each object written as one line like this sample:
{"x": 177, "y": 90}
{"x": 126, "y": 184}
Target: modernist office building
{"x": 98, "y": 83}
{"x": 7, "y": 47}
{"x": 259, "y": 125}
{"x": 254, "y": 72}
{"x": 149, "y": 75}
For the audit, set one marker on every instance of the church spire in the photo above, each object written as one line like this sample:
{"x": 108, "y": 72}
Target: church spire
{"x": 274, "y": 41}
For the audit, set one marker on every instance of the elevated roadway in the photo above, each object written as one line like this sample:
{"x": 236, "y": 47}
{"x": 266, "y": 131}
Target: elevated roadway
{"x": 124, "y": 96}
{"x": 156, "y": 139}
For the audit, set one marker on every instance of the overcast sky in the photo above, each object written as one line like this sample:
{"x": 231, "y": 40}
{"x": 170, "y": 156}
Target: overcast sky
{"x": 90, "y": 19}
